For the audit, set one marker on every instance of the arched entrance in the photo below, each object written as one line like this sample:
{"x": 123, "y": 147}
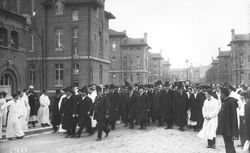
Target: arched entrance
{"x": 8, "y": 83}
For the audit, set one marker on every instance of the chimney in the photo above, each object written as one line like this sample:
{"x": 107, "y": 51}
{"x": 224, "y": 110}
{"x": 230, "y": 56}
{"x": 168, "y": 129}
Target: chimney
{"x": 233, "y": 33}
{"x": 146, "y": 36}
{"x": 219, "y": 50}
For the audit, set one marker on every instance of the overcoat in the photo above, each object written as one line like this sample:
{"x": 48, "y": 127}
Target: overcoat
{"x": 142, "y": 107}
{"x": 101, "y": 107}
{"x": 84, "y": 110}
{"x": 132, "y": 106}
{"x": 34, "y": 103}
{"x": 166, "y": 105}
{"x": 247, "y": 120}
{"x": 114, "y": 106}
{"x": 55, "y": 110}
{"x": 156, "y": 101}
{"x": 228, "y": 123}
{"x": 181, "y": 108}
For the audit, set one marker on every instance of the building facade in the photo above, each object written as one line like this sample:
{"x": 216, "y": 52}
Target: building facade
{"x": 191, "y": 73}
{"x": 129, "y": 59}
{"x": 166, "y": 71}
{"x": 155, "y": 67}
{"x": 14, "y": 44}
{"x": 70, "y": 41}
{"x": 240, "y": 46}
{"x": 224, "y": 67}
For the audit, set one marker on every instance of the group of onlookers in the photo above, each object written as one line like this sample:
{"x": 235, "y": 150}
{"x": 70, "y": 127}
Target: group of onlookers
{"x": 207, "y": 109}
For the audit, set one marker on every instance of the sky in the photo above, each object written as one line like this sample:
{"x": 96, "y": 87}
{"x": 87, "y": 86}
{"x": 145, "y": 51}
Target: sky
{"x": 182, "y": 29}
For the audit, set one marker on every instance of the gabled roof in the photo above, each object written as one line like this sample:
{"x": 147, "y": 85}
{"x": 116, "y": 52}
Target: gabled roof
{"x": 135, "y": 42}
{"x": 12, "y": 14}
{"x": 116, "y": 33}
{"x": 241, "y": 37}
{"x": 224, "y": 53}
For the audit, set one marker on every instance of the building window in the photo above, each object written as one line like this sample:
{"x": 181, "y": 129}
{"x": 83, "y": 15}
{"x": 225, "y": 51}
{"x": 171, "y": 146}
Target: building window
{"x": 100, "y": 74}
{"x": 125, "y": 77}
{"x": 76, "y": 69}
{"x": 32, "y": 74}
{"x": 14, "y": 39}
{"x": 59, "y": 8}
{"x": 138, "y": 61}
{"x": 113, "y": 63}
{"x": 59, "y": 75}
{"x": 113, "y": 46}
{"x": 75, "y": 33}
{"x": 5, "y": 80}
{"x": 97, "y": 12}
{"x": 58, "y": 40}
{"x": 75, "y": 49}
{"x": 138, "y": 77}
{"x": 18, "y": 6}
{"x": 125, "y": 61}
{"x": 75, "y": 15}
{"x": 3, "y": 37}
{"x": 114, "y": 79}
{"x": 33, "y": 7}
{"x": 32, "y": 43}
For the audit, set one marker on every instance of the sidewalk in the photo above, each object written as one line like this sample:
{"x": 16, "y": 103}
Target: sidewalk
{"x": 32, "y": 130}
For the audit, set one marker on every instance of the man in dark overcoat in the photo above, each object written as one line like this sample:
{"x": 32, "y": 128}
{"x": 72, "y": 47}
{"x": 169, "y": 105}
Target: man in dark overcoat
{"x": 132, "y": 106}
{"x": 166, "y": 106}
{"x": 228, "y": 124}
{"x": 84, "y": 110}
{"x": 181, "y": 108}
{"x": 150, "y": 94}
{"x": 142, "y": 107}
{"x": 34, "y": 106}
{"x": 101, "y": 112}
{"x": 247, "y": 117}
{"x": 156, "y": 101}
{"x": 125, "y": 106}
{"x": 56, "y": 118}
{"x": 114, "y": 106}
{"x": 69, "y": 112}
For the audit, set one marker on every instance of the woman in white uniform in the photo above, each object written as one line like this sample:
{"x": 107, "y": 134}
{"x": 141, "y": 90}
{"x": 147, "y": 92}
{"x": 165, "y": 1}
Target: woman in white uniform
{"x": 14, "y": 129}
{"x": 210, "y": 112}
{"x": 43, "y": 112}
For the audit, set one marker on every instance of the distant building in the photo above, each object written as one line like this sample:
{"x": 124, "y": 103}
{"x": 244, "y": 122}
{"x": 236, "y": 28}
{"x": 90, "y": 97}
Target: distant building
{"x": 129, "y": 58}
{"x": 14, "y": 44}
{"x": 224, "y": 67}
{"x": 155, "y": 67}
{"x": 191, "y": 73}
{"x": 70, "y": 43}
{"x": 166, "y": 69}
{"x": 240, "y": 46}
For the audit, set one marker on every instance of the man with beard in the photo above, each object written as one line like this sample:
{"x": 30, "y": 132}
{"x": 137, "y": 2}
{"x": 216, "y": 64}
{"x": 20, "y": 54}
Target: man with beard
{"x": 114, "y": 106}
{"x": 181, "y": 108}
{"x": 166, "y": 106}
{"x": 141, "y": 108}
{"x": 84, "y": 112}
{"x": 228, "y": 124}
{"x": 101, "y": 112}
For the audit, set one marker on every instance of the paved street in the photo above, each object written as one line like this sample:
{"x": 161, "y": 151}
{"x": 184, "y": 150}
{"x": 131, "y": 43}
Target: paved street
{"x": 152, "y": 140}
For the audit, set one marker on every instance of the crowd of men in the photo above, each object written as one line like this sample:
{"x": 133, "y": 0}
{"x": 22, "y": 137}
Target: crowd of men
{"x": 98, "y": 108}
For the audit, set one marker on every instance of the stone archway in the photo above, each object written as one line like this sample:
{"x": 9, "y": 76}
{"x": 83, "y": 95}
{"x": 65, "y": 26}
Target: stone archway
{"x": 8, "y": 82}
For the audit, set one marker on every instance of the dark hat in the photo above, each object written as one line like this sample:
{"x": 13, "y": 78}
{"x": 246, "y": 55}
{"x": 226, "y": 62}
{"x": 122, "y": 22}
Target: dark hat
{"x": 98, "y": 88}
{"x": 140, "y": 87}
{"x": 43, "y": 91}
{"x": 136, "y": 85}
{"x": 224, "y": 91}
{"x": 159, "y": 82}
{"x": 106, "y": 86}
{"x": 69, "y": 89}
{"x": 15, "y": 95}
{"x": 112, "y": 86}
{"x": 130, "y": 88}
{"x": 4, "y": 93}
{"x": 166, "y": 84}
{"x": 84, "y": 90}
{"x": 126, "y": 83}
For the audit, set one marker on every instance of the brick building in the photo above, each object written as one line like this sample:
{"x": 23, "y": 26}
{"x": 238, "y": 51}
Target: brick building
{"x": 240, "y": 46}
{"x": 212, "y": 75}
{"x": 155, "y": 67}
{"x": 14, "y": 44}
{"x": 224, "y": 66}
{"x": 70, "y": 41}
{"x": 129, "y": 58}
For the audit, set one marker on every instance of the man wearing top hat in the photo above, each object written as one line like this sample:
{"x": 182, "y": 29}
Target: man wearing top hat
{"x": 114, "y": 105}
{"x": 84, "y": 112}
{"x": 166, "y": 106}
{"x": 101, "y": 112}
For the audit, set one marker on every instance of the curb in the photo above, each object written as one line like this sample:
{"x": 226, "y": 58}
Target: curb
{"x": 31, "y": 132}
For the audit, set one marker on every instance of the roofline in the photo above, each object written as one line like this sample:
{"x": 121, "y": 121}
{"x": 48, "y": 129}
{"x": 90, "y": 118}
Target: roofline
{"x": 90, "y": 2}
{"x": 109, "y": 15}
{"x": 17, "y": 16}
